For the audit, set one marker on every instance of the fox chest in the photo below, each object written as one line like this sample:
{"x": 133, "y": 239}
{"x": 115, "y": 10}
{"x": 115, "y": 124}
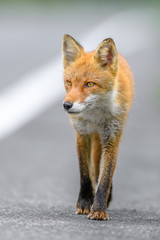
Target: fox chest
{"x": 84, "y": 126}
{"x": 97, "y": 123}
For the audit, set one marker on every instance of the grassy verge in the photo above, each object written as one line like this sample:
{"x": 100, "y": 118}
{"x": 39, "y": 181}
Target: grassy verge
{"x": 46, "y": 2}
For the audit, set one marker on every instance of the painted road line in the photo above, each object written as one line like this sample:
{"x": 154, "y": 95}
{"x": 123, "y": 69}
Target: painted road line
{"x": 32, "y": 94}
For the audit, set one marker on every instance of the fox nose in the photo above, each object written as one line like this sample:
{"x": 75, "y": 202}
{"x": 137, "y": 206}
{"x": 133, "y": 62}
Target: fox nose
{"x": 67, "y": 105}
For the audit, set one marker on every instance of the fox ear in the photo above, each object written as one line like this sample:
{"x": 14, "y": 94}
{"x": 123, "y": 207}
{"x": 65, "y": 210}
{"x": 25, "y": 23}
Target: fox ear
{"x": 106, "y": 55}
{"x": 71, "y": 50}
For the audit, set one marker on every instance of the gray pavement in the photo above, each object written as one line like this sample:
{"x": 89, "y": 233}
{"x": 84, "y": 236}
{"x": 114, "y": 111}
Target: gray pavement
{"x": 39, "y": 177}
{"x": 31, "y": 37}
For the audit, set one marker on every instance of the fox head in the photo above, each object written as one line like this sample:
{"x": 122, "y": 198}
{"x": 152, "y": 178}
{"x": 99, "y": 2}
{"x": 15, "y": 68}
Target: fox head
{"x": 89, "y": 78}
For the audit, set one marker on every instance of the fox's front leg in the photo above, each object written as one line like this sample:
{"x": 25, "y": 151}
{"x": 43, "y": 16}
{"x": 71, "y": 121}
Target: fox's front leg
{"x": 85, "y": 199}
{"x": 107, "y": 167}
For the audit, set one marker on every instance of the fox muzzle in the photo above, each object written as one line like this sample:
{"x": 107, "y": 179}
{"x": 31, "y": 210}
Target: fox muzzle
{"x": 67, "y": 105}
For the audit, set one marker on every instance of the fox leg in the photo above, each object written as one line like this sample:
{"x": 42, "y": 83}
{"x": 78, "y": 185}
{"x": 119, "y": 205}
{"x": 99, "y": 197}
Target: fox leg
{"x": 96, "y": 155}
{"x": 108, "y": 163}
{"x": 109, "y": 196}
{"x": 85, "y": 199}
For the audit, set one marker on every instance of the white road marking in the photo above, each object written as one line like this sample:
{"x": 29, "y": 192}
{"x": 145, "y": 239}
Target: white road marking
{"x": 131, "y": 30}
{"x": 29, "y": 97}
{"x": 23, "y": 101}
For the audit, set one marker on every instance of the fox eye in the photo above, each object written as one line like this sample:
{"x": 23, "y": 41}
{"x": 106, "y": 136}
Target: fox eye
{"x": 89, "y": 84}
{"x": 69, "y": 83}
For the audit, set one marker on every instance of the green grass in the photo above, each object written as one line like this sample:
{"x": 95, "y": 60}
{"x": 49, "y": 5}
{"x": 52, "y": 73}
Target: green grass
{"x": 46, "y": 2}
{"x": 50, "y": 4}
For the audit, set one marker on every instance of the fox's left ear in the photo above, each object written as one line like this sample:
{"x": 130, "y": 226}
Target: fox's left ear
{"x": 72, "y": 50}
{"x": 106, "y": 55}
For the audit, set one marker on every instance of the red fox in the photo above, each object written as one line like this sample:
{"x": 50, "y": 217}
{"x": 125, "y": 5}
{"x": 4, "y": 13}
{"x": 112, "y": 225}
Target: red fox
{"x": 99, "y": 92}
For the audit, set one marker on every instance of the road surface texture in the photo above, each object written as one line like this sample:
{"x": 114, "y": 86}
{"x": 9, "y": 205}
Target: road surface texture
{"x": 39, "y": 177}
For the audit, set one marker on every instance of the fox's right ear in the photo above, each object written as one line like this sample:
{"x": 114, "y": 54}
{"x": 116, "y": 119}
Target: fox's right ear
{"x": 71, "y": 50}
{"x": 106, "y": 55}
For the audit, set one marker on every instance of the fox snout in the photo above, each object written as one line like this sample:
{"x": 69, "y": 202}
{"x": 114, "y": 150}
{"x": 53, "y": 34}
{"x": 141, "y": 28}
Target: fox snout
{"x": 73, "y": 108}
{"x": 67, "y": 105}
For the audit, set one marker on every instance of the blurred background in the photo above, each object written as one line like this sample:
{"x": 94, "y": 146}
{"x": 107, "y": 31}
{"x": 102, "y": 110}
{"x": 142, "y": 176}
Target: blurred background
{"x": 39, "y": 175}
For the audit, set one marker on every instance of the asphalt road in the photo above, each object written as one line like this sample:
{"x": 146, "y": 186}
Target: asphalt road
{"x": 32, "y": 37}
{"x": 39, "y": 177}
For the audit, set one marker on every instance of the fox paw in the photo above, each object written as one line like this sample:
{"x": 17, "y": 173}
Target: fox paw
{"x": 82, "y": 211}
{"x": 98, "y": 215}
{"x": 83, "y": 207}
